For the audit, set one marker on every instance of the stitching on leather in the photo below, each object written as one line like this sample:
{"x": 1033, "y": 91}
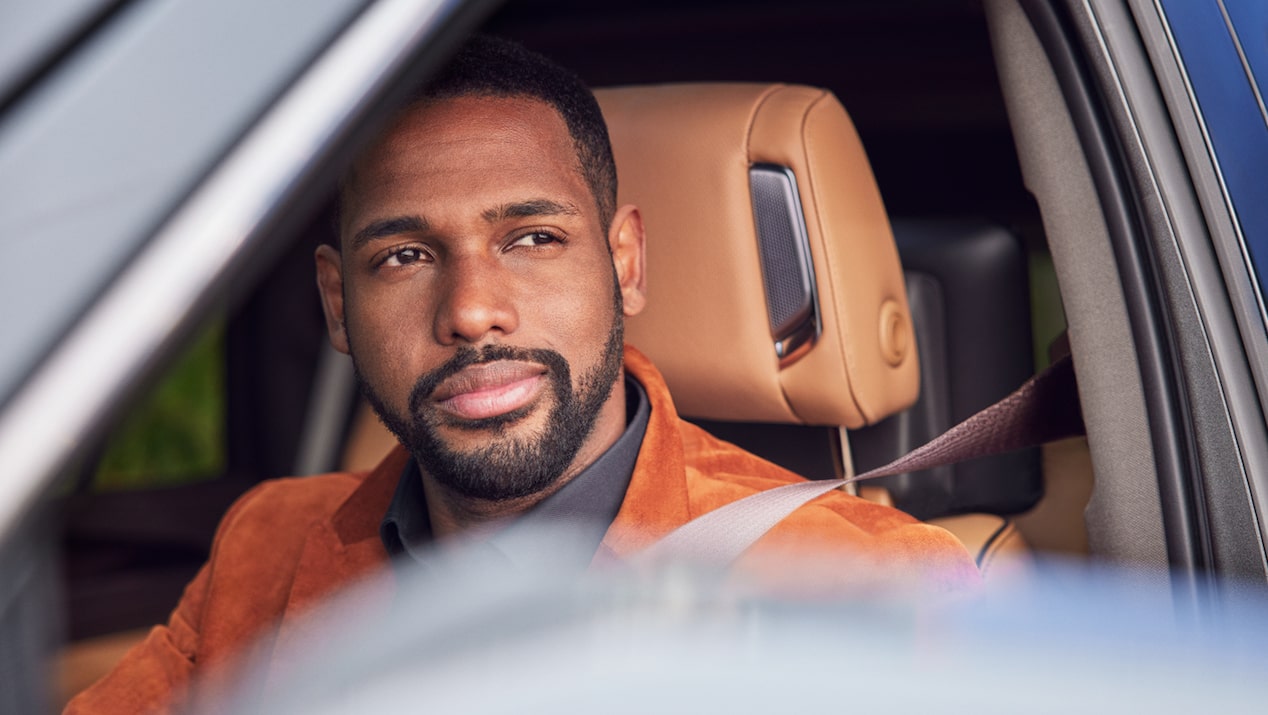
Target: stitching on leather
{"x": 748, "y": 154}
{"x": 813, "y": 188}
{"x": 752, "y": 117}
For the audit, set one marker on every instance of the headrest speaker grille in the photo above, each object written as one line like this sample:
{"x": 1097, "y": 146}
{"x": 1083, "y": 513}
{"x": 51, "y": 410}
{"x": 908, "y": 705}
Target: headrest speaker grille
{"x": 792, "y": 305}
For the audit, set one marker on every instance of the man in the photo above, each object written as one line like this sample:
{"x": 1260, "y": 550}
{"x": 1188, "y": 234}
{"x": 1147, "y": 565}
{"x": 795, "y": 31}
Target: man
{"x": 481, "y": 283}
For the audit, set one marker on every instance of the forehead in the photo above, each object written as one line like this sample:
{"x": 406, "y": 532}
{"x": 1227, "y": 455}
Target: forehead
{"x": 469, "y": 149}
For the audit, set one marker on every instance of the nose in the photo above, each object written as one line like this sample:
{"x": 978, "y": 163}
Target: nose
{"x": 475, "y": 301}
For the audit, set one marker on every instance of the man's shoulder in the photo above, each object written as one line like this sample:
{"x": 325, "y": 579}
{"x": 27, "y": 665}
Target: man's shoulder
{"x": 720, "y": 464}
{"x": 892, "y": 544}
{"x": 319, "y": 493}
{"x": 286, "y": 506}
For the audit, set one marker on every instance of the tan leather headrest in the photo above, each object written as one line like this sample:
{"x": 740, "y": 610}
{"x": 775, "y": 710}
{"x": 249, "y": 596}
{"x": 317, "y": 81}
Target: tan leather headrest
{"x": 683, "y": 154}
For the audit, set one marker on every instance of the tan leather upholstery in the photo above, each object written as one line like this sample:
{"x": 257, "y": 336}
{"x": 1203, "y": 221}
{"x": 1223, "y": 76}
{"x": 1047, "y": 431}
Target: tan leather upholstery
{"x": 1056, "y": 524}
{"x": 683, "y": 154}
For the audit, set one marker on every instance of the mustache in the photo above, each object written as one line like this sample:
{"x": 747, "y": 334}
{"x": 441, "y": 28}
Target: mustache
{"x": 467, "y": 356}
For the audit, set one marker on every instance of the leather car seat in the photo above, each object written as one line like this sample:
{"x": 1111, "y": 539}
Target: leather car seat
{"x": 761, "y": 211}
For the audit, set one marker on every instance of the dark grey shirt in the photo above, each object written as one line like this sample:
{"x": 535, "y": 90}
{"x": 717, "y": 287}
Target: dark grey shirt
{"x": 584, "y": 506}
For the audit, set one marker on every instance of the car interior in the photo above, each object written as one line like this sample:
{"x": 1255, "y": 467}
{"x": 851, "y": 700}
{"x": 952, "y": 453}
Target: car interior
{"x": 924, "y": 289}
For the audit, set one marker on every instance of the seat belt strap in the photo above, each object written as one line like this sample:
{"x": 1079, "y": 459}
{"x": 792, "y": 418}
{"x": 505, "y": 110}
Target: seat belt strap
{"x": 1044, "y": 409}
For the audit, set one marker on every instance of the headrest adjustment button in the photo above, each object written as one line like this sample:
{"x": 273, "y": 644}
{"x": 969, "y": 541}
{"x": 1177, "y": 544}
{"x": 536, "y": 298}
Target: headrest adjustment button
{"x": 895, "y": 333}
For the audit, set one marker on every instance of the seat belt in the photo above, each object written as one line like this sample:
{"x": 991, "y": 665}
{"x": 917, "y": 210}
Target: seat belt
{"x": 1044, "y": 409}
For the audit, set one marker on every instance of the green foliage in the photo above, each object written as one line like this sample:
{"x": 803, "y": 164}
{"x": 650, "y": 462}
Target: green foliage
{"x": 176, "y": 434}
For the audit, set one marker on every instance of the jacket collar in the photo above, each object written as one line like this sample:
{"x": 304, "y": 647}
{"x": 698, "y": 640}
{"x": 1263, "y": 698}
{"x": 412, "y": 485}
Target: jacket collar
{"x": 357, "y": 519}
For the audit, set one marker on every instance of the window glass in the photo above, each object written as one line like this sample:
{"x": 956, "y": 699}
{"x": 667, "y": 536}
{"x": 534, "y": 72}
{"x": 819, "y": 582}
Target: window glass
{"x": 1223, "y": 46}
{"x": 1249, "y": 19}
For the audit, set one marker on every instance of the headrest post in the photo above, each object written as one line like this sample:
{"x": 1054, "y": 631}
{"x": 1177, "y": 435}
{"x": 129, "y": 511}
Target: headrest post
{"x": 847, "y": 461}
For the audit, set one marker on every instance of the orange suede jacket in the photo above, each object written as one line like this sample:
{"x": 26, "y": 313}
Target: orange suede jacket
{"x": 288, "y": 543}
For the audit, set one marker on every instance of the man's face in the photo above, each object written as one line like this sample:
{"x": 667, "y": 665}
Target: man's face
{"x": 477, "y": 293}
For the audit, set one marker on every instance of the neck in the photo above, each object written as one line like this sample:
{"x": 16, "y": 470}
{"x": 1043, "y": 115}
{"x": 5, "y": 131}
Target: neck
{"x": 452, "y": 513}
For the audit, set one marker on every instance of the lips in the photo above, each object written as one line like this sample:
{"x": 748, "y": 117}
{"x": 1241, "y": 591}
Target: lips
{"x": 489, "y": 389}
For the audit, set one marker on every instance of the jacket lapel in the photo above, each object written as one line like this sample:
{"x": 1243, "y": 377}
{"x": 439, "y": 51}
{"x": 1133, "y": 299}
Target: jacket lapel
{"x": 656, "y": 501}
{"x": 343, "y": 550}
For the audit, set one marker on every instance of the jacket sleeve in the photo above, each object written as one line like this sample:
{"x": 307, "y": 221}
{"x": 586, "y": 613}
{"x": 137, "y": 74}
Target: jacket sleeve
{"x": 153, "y": 676}
{"x": 150, "y": 677}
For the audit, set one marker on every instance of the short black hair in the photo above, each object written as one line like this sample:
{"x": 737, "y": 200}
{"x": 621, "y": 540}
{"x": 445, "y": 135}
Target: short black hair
{"x": 488, "y": 66}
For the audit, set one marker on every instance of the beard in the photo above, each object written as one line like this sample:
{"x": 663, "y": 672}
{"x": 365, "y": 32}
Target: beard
{"x": 507, "y": 467}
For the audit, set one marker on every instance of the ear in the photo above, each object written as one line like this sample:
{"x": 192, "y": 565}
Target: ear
{"x": 625, "y": 238}
{"x": 330, "y": 286}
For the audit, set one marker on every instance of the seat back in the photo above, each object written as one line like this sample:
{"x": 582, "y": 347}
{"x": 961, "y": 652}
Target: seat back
{"x": 724, "y": 265}
{"x": 776, "y": 297}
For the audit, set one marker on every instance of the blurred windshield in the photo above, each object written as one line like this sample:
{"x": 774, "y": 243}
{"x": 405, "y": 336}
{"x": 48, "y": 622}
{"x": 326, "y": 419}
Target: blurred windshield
{"x": 465, "y": 633}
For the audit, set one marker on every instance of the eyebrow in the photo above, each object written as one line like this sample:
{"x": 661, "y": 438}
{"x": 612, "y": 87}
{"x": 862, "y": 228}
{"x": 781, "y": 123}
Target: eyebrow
{"x": 395, "y": 225}
{"x": 526, "y": 209}
{"x": 388, "y": 227}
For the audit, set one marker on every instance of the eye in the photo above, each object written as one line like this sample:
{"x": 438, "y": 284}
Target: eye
{"x": 534, "y": 239}
{"x": 404, "y": 256}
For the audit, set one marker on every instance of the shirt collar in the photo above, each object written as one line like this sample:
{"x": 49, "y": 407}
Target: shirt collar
{"x": 585, "y": 506}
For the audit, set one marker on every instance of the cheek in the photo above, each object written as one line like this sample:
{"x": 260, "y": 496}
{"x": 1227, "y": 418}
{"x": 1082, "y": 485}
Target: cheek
{"x": 385, "y": 335}
{"x": 579, "y": 317}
